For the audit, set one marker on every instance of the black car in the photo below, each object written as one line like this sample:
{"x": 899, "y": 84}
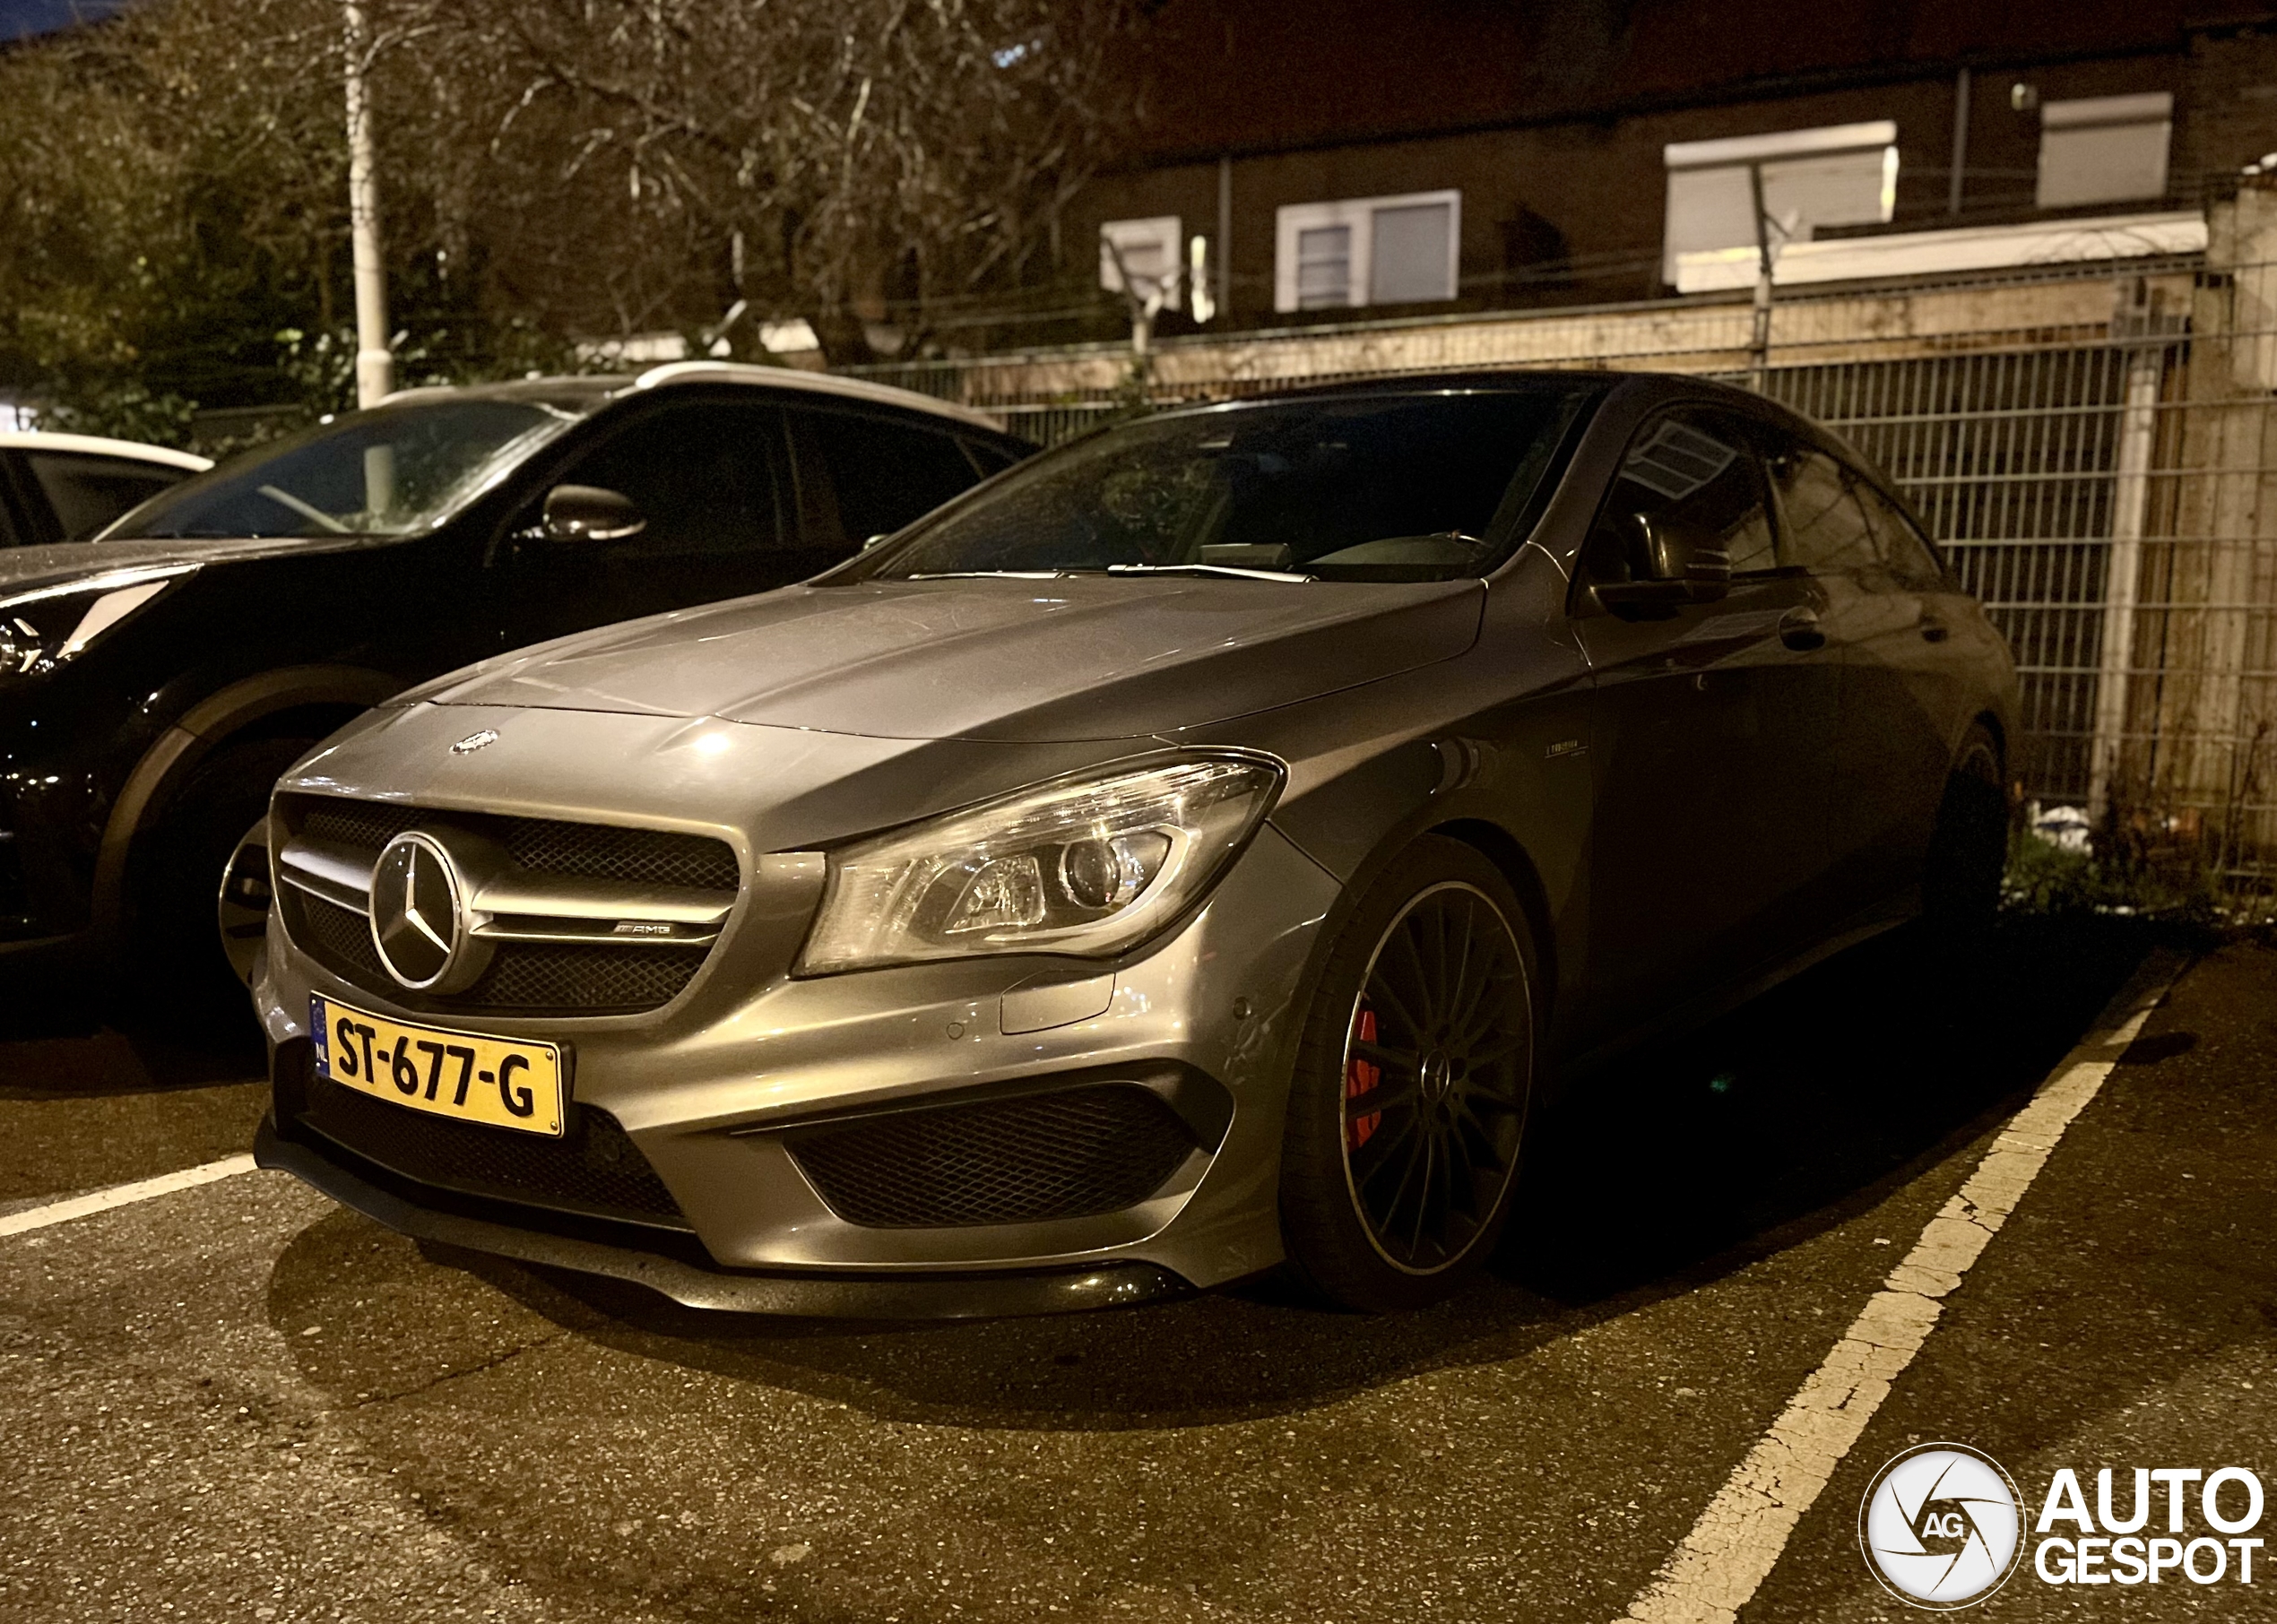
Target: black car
{"x": 155, "y": 680}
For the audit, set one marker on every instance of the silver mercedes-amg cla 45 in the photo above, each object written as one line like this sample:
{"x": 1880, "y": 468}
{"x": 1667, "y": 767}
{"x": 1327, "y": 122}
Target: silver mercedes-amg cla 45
{"x": 1199, "y": 848}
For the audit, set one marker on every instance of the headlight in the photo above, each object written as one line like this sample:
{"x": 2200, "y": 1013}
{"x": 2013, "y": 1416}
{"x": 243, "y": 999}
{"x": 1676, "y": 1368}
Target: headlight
{"x": 1088, "y": 865}
{"x": 40, "y": 630}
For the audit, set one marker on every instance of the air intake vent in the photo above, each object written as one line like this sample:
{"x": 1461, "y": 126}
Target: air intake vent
{"x": 1072, "y": 1154}
{"x": 596, "y": 1169}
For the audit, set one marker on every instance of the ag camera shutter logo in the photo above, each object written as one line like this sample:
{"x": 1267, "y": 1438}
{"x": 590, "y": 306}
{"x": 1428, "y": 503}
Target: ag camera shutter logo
{"x": 1940, "y": 1526}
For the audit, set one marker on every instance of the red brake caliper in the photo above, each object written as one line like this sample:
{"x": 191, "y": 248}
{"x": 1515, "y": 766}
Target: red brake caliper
{"x": 1360, "y": 1078}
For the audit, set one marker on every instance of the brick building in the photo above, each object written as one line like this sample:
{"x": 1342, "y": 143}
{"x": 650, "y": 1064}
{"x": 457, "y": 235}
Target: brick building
{"x": 1443, "y": 156}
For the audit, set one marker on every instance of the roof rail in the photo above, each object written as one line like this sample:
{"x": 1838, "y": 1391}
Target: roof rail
{"x": 814, "y": 383}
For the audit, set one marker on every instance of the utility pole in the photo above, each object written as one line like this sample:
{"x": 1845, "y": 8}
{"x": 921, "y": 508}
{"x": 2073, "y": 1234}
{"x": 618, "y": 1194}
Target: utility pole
{"x": 1958, "y": 178}
{"x": 375, "y": 361}
{"x": 1760, "y": 356}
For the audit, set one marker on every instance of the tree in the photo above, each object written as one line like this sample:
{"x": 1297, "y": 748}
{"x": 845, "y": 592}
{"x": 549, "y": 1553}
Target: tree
{"x": 805, "y": 156}
{"x": 173, "y": 194}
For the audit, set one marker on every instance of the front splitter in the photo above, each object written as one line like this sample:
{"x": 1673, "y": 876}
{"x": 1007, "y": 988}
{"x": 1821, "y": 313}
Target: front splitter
{"x": 972, "y": 1295}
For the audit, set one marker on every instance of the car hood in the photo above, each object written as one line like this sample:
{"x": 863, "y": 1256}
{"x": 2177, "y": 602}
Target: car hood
{"x": 27, "y": 568}
{"x": 1085, "y": 658}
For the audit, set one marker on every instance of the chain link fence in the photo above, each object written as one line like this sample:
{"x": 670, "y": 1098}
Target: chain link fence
{"x": 2094, "y": 445}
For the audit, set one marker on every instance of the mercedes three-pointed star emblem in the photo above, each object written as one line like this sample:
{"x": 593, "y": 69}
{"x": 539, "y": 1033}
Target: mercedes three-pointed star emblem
{"x": 418, "y": 911}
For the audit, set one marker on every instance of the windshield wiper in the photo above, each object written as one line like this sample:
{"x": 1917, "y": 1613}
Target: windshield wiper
{"x": 315, "y": 515}
{"x": 985, "y": 574}
{"x": 1207, "y": 569}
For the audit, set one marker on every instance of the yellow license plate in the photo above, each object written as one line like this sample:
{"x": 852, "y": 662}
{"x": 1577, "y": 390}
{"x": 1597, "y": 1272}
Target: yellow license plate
{"x": 504, "y": 1083}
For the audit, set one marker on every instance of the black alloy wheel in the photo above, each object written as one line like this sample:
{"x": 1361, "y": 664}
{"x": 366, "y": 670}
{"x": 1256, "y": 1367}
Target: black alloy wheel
{"x": 1411, "y": 1096}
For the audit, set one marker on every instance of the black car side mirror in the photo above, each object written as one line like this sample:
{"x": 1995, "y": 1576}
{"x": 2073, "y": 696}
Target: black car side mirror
{"x": 586, "y": 512}
{"x": 1680, "y": 570}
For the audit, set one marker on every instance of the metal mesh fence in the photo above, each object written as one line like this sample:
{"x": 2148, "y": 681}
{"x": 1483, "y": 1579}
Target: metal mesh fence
{"x": 2091, "y": 443}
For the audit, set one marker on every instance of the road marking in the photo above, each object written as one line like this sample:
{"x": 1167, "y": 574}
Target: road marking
{"x": 123, "y": 1195}
{"x": 1739, "y": 1538}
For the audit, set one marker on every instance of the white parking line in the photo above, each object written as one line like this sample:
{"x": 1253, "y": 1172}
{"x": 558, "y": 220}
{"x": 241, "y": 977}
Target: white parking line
{"x": 1739, "y": 1539}
{"x": 123, "y": 1195}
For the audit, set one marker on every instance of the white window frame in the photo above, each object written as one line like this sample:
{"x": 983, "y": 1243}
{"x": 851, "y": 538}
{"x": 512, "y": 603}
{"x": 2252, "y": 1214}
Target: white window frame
{"x": 1165, "y": 232}
{"x": 2087, "y": 127}
{"x": 1358, "y": 215}
{"x": 1793, "y": 153}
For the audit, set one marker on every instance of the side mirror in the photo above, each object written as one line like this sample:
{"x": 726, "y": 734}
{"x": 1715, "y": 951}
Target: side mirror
{"x": 586, "y": 512}
{"x": 1680, "y": 569}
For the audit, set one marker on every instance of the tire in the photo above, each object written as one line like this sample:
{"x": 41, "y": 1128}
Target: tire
{"x": 1425, "y": 1009}
{"x": 192, "y": 859}
{"x": 1968, "y": 845}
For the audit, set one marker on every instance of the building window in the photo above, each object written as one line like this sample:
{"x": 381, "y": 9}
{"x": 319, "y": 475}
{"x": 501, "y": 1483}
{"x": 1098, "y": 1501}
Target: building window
{"x": 1367, "y": 251}
{"x": 1838, "y": 174}
{"x": 1148, "y": 251}
{"x": 2105, "y": 148}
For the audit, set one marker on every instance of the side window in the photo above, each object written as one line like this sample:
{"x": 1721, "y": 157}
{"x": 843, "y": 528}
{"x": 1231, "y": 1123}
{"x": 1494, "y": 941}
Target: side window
{"x": 1824, "y": 528}
{"x": 1689, "y": 473}
{"x": 1910, "y": 560}
{"x": 88, "y": 492}
{"x": 881, "y": 473}
{"x": 707, "y": 479}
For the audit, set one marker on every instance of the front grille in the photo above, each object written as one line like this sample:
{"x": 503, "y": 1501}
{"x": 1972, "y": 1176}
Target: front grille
{"x": 366, "y": 825}
{"x": 649, "y": 857}
{"x": 1074, "y": 1153}
{"x": 525, "y": 978}
{"x": 595, "y": 1169}
{"x": 602, "y": 978}
{"x": 542, "y": 845}
{"x": 339, "y": 936}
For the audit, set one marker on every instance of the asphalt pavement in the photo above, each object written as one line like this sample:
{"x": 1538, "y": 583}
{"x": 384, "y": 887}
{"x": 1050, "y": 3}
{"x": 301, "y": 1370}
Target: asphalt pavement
{"x": 237, "y": 1402}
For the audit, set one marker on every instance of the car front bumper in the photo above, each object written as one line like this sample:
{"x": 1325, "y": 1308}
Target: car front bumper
{"x": 715, "y": 1089}
{"x": 697, "y": 1282}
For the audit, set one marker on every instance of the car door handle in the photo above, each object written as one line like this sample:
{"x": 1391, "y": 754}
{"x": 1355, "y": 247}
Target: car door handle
{"x": 1799, "y": 630}
{"x": 1932, "y": 630}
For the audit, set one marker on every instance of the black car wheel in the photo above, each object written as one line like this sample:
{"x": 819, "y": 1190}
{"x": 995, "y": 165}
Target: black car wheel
{"x": 1968, "y": 847}
{"x": 1408, "y": 1104}
{"x": 198, "y": 848}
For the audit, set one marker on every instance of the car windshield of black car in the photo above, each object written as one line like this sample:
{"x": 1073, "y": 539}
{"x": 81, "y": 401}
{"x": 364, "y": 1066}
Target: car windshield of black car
{"x": 384, "y": 472}
{"x": 1421, "y": 486}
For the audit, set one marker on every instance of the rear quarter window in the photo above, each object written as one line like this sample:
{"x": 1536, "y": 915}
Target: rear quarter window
{"x": 89, "y": 491}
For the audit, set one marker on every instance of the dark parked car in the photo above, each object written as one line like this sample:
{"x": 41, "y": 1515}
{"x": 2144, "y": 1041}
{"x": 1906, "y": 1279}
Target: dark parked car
{"x": 67, "y": 486}
{"x": 1203, "y": 845}
{"x": 153, "y": 681}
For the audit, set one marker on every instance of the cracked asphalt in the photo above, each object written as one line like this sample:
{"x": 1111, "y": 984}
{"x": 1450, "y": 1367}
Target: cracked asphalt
{"x": 238, "y": 1401}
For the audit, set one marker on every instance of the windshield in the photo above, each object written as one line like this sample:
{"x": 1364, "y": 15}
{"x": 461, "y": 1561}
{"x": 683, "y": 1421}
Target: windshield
{"x": 384, "y": 472}
{"x": 1385, "y": 487}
